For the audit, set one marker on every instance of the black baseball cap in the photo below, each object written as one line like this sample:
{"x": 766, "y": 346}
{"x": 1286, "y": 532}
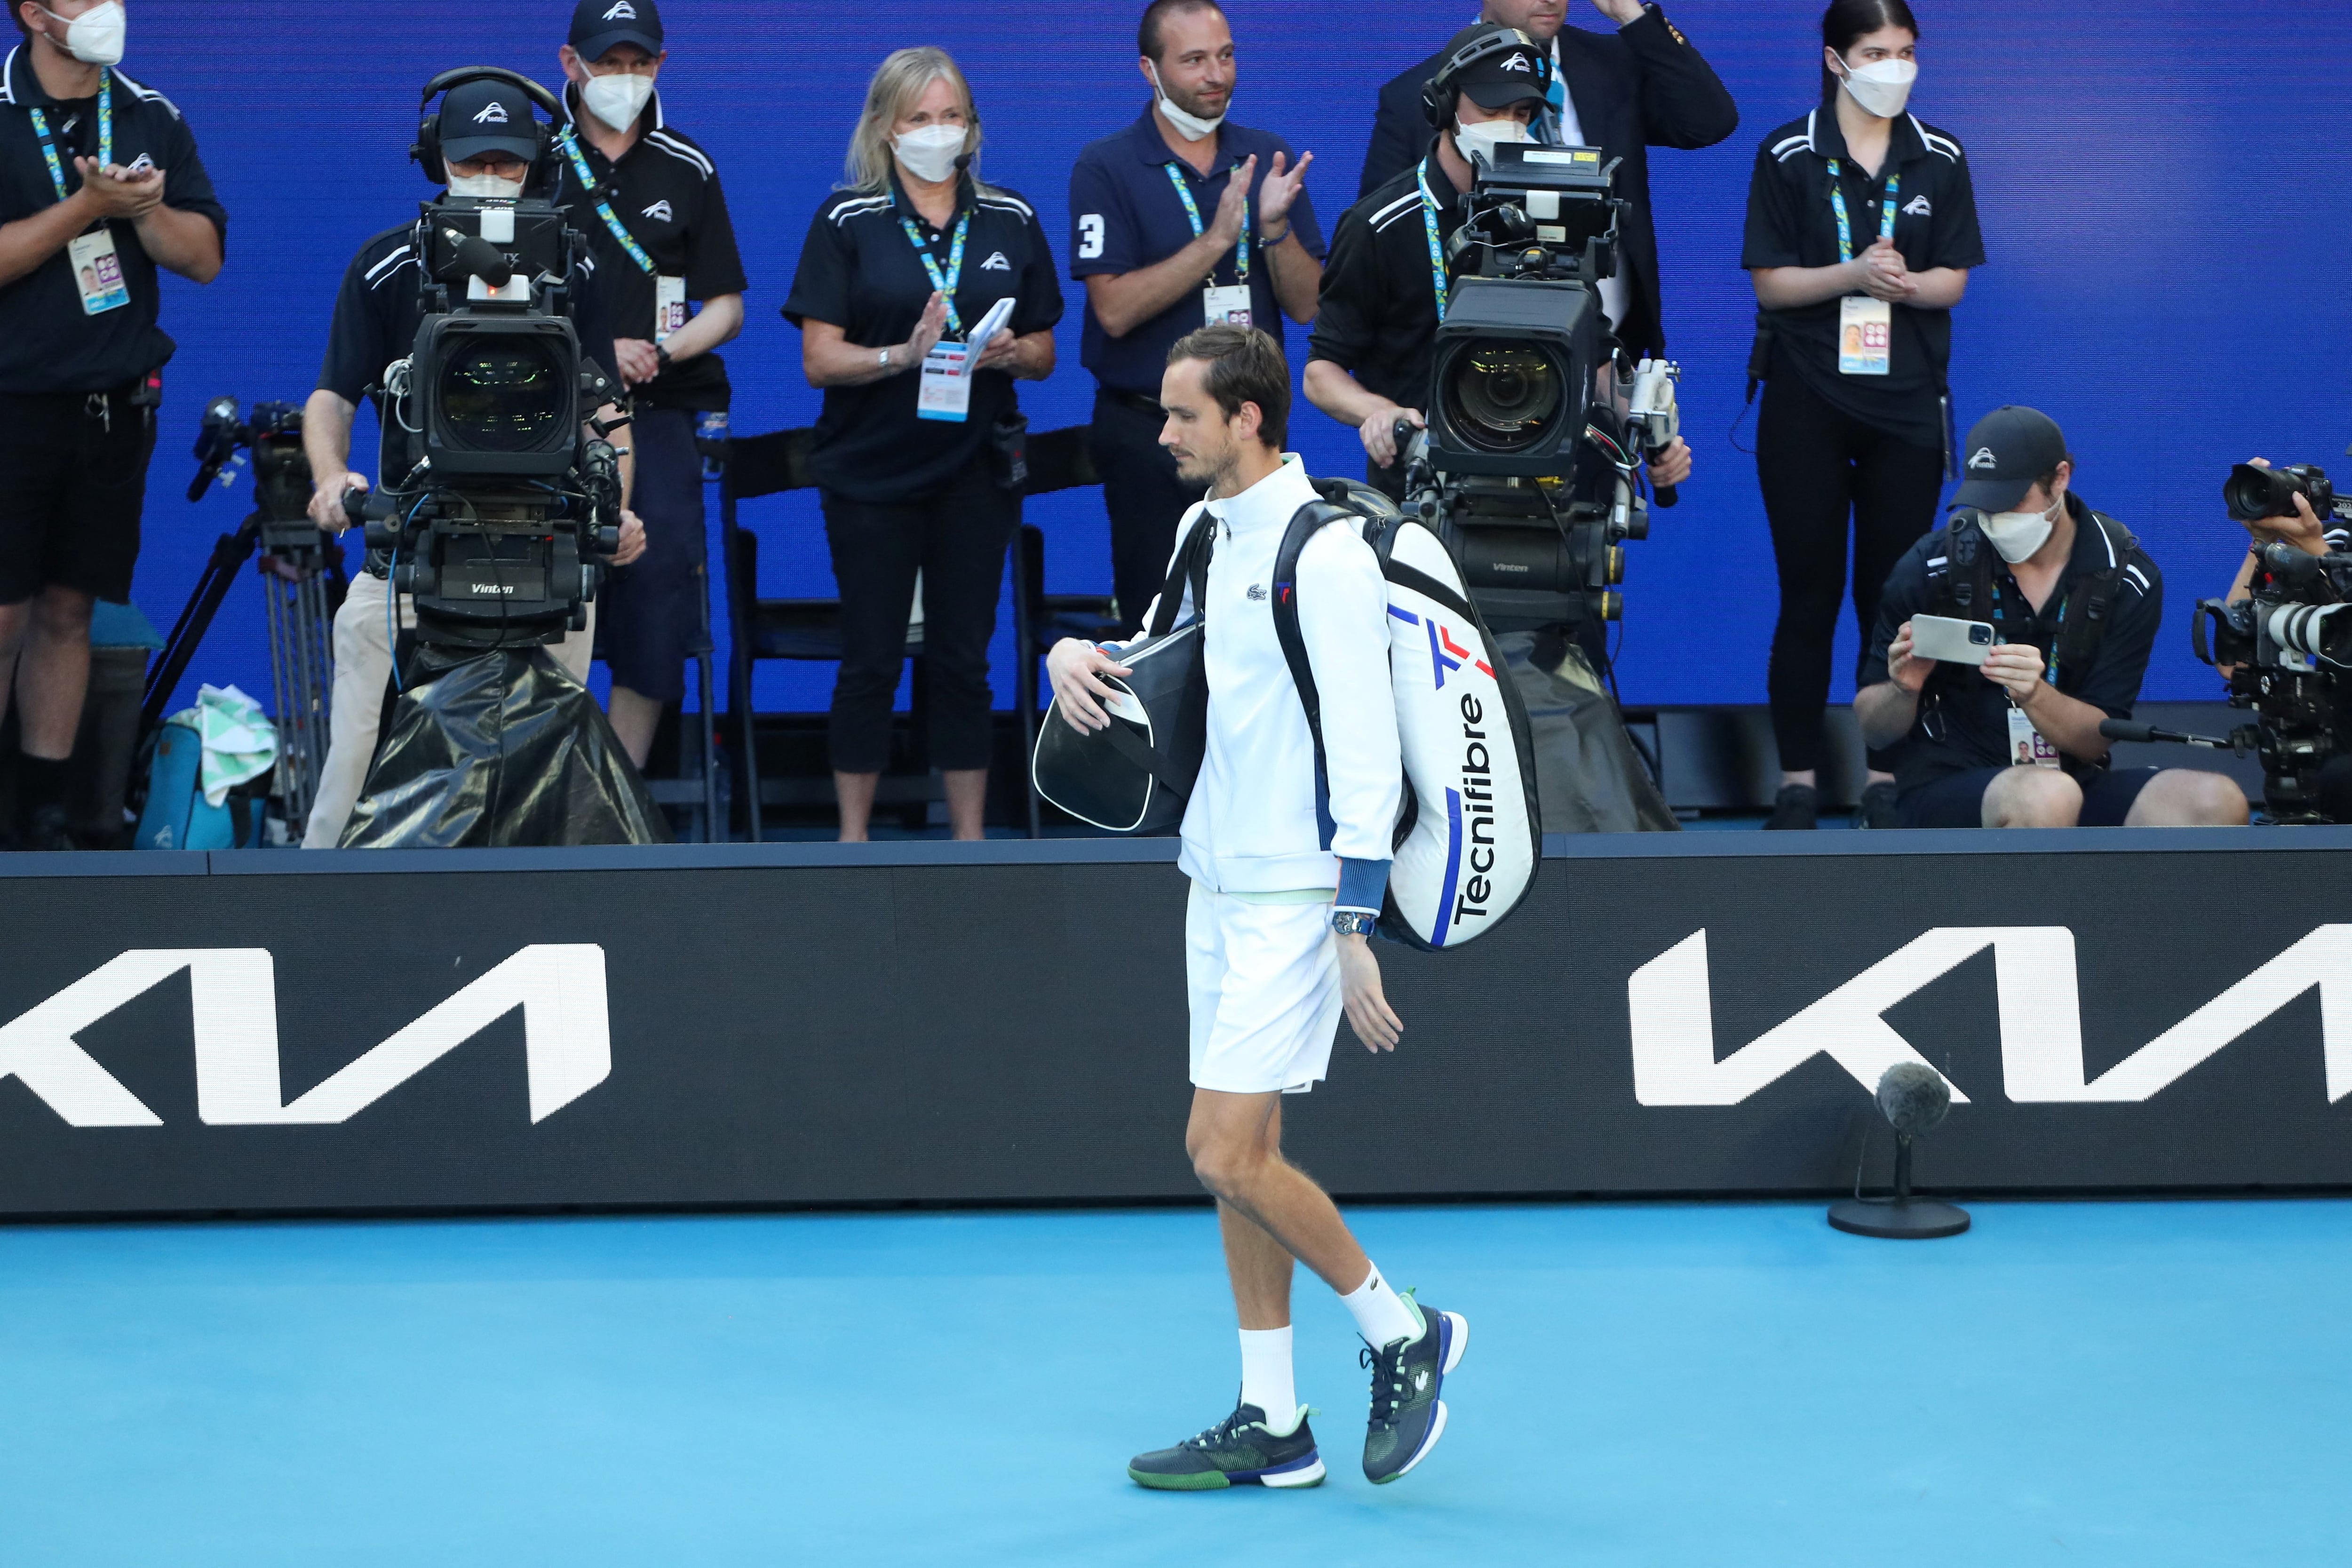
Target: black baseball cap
{"x": 598, "y": 24}
{"x": 1507, "y": 76}
{"x": 2007, "y": 450}
{"x": 491, "y": 116}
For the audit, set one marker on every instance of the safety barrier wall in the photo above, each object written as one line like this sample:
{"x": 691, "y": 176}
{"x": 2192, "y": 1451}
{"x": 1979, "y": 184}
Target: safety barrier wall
{"x": 1004, "y": 1022}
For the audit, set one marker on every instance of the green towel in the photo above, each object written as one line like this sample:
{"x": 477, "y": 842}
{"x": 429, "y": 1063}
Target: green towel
{"x": 239, "y": 740}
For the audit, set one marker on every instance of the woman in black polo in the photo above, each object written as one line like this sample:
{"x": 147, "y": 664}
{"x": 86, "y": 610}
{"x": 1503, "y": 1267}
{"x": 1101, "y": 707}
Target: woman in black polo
{"x": 900, "y": 266}
{"x": 1862, "y": 226}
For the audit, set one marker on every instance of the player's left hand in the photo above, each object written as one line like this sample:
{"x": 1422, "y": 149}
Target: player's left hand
{"x": 1368, "y": 1013}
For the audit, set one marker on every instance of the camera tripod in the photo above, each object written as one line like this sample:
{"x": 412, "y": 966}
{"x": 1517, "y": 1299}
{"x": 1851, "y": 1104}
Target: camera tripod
{"x": 301, "y": 569}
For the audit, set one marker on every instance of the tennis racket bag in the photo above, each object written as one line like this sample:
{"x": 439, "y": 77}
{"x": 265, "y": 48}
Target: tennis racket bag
{"x": 1470, "y": 835}
{"x": 1136, "y": 775}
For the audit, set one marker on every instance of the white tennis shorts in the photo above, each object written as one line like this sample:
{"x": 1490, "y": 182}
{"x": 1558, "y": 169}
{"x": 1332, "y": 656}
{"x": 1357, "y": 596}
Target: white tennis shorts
{"x": 1263, "y": 983}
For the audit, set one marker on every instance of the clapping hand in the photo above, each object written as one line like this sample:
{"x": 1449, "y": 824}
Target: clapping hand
{"x": 1232, "y": 207}
{"x": 927, "y": 329}
{"x": 1281, "y": 189}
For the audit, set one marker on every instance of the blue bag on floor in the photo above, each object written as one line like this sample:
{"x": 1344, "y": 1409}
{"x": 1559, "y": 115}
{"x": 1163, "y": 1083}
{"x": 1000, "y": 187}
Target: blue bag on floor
{"x": 178, "y": 815}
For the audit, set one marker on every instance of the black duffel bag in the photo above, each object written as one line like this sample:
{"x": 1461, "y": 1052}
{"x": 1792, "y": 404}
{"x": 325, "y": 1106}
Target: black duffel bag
{"x": 1136, "y": 775}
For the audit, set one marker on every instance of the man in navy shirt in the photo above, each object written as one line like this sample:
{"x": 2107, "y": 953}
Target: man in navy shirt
{"x": 101, "y": 189}
{"x": 2075, "y": 604}
{"x": 1181, "y": 219}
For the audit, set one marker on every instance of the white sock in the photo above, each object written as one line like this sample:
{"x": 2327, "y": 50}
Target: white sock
{"x": 1381, "y": 1313}
{"x": 1266, "y": 1374}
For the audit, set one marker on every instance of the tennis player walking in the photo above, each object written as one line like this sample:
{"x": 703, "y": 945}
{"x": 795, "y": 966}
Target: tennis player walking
{"x": 1288, "y": 871}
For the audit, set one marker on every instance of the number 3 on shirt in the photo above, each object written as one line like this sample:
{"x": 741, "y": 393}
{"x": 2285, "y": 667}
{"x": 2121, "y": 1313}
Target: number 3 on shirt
{"x": 1090, "y": 237}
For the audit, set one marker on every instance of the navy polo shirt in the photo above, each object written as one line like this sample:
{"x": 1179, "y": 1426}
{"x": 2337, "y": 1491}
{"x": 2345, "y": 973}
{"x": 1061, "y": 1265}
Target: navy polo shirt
{"x": 47, "y": 343}
{"x": 1963, "y": 720}
{"x": 1125, "y": 215}
{"x": 858, "y": 272}
{"x": 665, "y": 191}
{"x": 1790, "y": 222}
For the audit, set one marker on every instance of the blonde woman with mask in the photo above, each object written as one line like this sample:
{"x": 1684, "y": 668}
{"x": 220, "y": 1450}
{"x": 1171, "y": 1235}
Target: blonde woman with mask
{"x": 902, "y": 265}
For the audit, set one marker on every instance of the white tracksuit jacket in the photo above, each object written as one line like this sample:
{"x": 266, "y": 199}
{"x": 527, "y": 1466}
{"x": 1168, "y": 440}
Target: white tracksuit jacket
{"x": 1252, "y": 826}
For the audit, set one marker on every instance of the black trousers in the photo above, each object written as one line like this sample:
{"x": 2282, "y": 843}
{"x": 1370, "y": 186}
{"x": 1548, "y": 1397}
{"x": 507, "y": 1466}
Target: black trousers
{"x": 649, "y": 615}
{"x": 955, "y": 536}
{"x": 1818, "y": 466}
{"x": 1144, "y": 497}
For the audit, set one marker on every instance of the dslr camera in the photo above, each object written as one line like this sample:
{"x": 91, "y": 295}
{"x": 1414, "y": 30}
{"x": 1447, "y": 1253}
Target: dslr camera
{"x": 2288, "y": 647}
{"x": 1534, "y": 483}
{"x": 494, "y": 505}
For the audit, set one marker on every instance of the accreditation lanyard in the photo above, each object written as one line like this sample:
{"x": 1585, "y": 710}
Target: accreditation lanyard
{"x": 571, "y": 145}
{"x": 1193, "y": 212}
{"x": 1429, "y": 228}
{"x": 105, "y": 134}
{"x": 947, "y": 285}
{"x": 1845, "y": 228}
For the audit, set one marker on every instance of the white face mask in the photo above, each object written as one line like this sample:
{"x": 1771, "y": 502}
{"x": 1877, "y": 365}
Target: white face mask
{"x": 930, "y": 152}
{"x": 94, "y": 38}
{"x": 617, "y": 99}
{"x": 1882, "y": 87}
{"x": 488, "y": 185}
{"x": 2017, "y": 534}
{"x": 1191, "y": 127}
{"x": 1476, "y": 142}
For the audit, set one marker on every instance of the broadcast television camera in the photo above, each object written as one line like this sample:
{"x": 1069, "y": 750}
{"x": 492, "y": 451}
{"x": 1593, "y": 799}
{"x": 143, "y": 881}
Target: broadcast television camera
{"x": 2288, "y": 649}
{"x": 494, "y": 504}
{"x": 1511, "y": 405}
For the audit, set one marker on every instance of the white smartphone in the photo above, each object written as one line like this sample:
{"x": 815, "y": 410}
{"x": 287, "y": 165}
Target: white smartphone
{"x": 1953, "y": 642}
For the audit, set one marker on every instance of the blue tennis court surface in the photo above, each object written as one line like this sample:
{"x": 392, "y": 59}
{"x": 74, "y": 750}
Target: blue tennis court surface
{"x": 2130, "y": 1383}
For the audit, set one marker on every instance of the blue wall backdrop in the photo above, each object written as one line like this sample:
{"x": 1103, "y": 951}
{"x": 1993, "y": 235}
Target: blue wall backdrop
{"x": 2163, "y": 187}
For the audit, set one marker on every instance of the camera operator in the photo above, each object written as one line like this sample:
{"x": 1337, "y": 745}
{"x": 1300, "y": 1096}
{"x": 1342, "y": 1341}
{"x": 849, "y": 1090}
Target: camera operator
{"x": 1643, "y": 87}
{"x": 1376, "y": 322}
{"x": 1861, "y": 228}
{"x": 1181, "y": 219}
{"x": 1371, "y": 352}
{"x": 103, "y": 186}
{"x": 914, "y": 445}
{"x": 649, "y": 201}
{"x": 2073, "y": 604}
{"x": 488, "y": 151}
{"x": 2301, "y": 528}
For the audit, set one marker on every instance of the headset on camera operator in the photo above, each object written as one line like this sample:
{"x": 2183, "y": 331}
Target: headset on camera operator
{"x": 100, "y": 188}
{"x": 2058, "y": 607}
{"x": 648, "y": 200}
{"x": 491, "y": 146}
{"x": 1373, "y": 357}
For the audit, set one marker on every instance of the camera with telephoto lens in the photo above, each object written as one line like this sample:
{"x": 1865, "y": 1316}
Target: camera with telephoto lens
{"x": 495, "y": 504}
{"x": 1511, "y": 405}
{"x": 2288, "y": 649}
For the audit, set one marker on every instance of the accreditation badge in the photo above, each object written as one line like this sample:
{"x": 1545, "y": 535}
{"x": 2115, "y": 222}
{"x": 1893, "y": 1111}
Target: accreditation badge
{"x": 946, "y": 391}
{"x": 1230, "y": 304}
{"x": 669, "y": 307}
{"x": 2028, "y": 747}
{"x": 1866, "y": 334}
{"x": 98, "y": 272}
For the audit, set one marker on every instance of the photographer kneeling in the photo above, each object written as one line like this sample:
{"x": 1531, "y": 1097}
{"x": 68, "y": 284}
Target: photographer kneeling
{"x": 377, "y": 315}
{"x": 2058, "y": 607}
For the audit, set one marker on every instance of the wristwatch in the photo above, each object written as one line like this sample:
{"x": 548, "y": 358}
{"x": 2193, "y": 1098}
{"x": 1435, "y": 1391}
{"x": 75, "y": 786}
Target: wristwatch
{"x": 1352, "y": 923}
{"x": 661, "y": 355}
